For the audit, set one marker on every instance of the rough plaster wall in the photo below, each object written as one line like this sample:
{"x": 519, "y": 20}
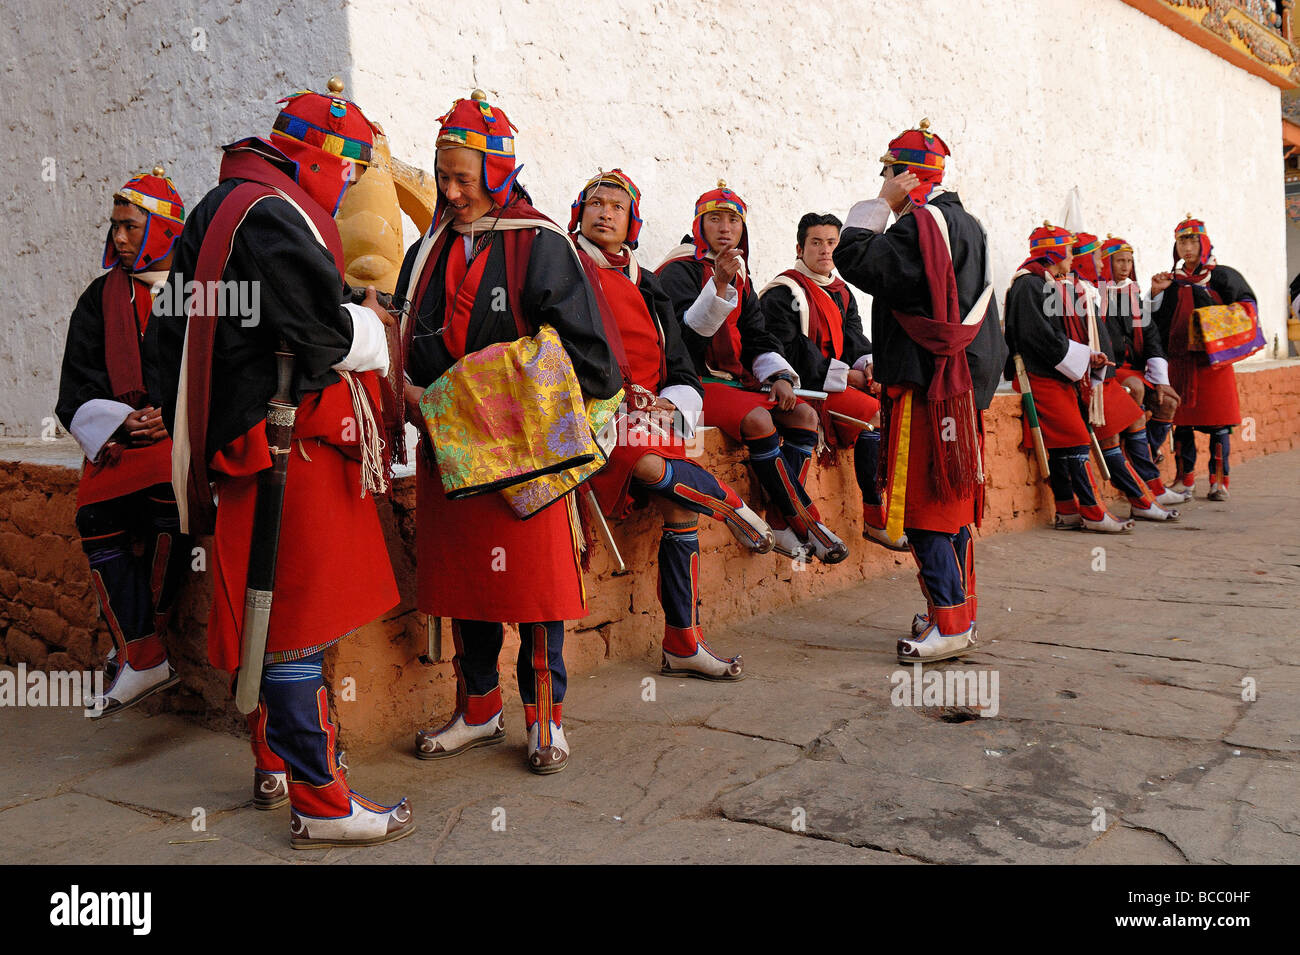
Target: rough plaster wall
{"x": 788, "y": 102}
{"x": 109, "y": 90}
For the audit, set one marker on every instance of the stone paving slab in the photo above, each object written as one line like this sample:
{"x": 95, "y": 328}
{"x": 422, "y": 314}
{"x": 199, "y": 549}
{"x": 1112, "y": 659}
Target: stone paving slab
{"x": 1119, "y": 733}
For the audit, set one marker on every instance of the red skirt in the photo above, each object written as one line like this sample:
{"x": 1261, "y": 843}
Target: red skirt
{"x": 855, "y": 404}
{"x": 612, "y": 483}
{"x": 1216, "y": 398}
{"x": 477, "y": 561}
{"x": 1058, "y": 413}
{"x": 136, "y": 469}
{"x": 725, "y": 407}
{"x": 1120, "y": 409}
{"x": 911, "y": 458}
{"x": 333, "y": 572}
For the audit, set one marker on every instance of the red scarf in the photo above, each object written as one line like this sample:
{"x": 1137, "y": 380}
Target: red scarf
{"x": 126, "y": 309}
{"x": 828, "y": 305}
{"x": 951, "y": 394}
{"x": 1183, "y": 361}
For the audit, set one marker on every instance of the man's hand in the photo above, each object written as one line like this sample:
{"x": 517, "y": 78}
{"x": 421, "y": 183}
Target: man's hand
{"x": 663, "y": 415}
{"x": 144, "y": 427}
{"x": 857, "y": 379}
{"x": 725, "y": 268}
{"x": 411, "y": 395}
{"x": 371, "y": 301}
{"x": 1099, "y": 360}
{"x": 1161, "y": 281}
{"x": 895, "y": 190}
{"x": 1166, "y": 393}
{"x": 783, "y": 395}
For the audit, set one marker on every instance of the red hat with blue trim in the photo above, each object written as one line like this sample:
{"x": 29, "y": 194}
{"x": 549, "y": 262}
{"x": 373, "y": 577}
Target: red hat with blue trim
{"x": 617, "y": 179}
{"x": 327, "y": 136}
{"x": 1191, "y": 226}
{"x": 1112, "y": 247}
{"x": 1085, "y": 247}
{"x": 476, "y": 124}
{"x": 924, "y": 154}
{"x": 154, "y": 195}
{"x": 720, "y": 199}
{"x": 1049, "y": 244}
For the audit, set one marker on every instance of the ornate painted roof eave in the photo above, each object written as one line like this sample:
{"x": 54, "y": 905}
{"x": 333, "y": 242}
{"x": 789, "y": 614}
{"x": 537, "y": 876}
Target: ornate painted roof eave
{"x": 1227, "y": 31}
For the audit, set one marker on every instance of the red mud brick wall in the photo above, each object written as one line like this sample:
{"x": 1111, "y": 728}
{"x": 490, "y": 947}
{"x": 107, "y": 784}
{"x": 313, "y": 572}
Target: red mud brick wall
{"x": 48, "y": 617}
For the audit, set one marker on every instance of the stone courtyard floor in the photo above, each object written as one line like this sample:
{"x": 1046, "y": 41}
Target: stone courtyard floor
{"x": 1123, "y": 733}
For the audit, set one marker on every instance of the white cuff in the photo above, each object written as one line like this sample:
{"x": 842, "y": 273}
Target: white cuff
{"x": 689, "y": 405}
{"x": 709, "y": 311}
{"x": 1155, "y": 302}
{"x": 862, "y": 363}
{"x": 837, "y": 376}
{"x": 369, "y": 350}
{"x": 95, "y": 422}
{"x": 771, "y": 363}
{"x": 869, "y": 214}
{"x": 1076, "y": 361}
{"x": 1157, "y": 371}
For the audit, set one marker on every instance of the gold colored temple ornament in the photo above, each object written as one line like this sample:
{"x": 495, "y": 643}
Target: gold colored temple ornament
{"x": 370, "y": 218}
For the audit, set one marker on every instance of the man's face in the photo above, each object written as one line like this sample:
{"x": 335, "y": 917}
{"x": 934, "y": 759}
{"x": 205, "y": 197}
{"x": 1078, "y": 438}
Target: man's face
{"x": 1121, "y": 266}
{"x": 605, "y": 217}
{"x": 722, "y": 230}
{"x": 127, "y": 231}
{"x": 460, "y": 178}
{"x": 818, "y": 245}
{"x": 1062, "y": 268}
{"x": 1188, "y": 248}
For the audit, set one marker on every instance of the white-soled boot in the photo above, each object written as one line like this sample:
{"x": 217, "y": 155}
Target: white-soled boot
{"x": 368, "y": 824}
{"x": 879, "y": 536}
{"x": 1155, "y": 513}
{"x": 545, "y": 760}
{"x": 129, "y": 687}
{"x": 932, "y": 646}
{"x": 457, "y": 736}
{"x": 1109, "y": 525}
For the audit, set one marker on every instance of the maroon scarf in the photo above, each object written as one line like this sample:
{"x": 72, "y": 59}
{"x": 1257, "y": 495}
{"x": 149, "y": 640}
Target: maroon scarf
{"x": 951, "y": 394}
{"x": 829, "y": 303}
{"x": 1182, "y": 360}
{"x": 263, "y": 179}
{"x": 1073, "y": 325}
{"x": 126, "y": 313}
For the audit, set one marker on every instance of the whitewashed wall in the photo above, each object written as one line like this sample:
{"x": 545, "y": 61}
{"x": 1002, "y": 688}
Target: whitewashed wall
{"x": 790, "y": 102}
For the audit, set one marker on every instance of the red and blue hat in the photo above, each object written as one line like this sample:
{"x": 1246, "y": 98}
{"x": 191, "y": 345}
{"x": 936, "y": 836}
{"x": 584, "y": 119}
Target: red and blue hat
{"x": 1191, "y": 226}
{"x": 154, "y": 195}
{"x": 475, "y": 124}
{"x": 924, "y": 154}
{"x": 328, "y": 132}
{"x": 618, "y": 179}
{"x": 720, "y": 199}
{"x": 1085, "y": 262}
{"x": 1049, "y": 244}
{"x": 1109, "y": 249}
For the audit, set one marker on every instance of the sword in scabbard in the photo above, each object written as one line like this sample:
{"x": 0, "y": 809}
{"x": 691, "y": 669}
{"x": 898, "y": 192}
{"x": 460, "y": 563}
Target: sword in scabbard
{"x": 598, "y": 518}
{"x": 1031, "y": 414}
{"x": 265, "y": 545}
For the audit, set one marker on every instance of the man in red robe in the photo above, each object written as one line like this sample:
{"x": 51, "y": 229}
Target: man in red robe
{"x": 664, "y": 402}
{"x": 493, "y": 269}
{"x": 1121, "y": 413}
{"x": 707, "y": 279}
{"x": 938, "y": 354}
{"x": 267, "y": 231}
{"x": 109, "y": 401}
{"x": 1209, "y": 392}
